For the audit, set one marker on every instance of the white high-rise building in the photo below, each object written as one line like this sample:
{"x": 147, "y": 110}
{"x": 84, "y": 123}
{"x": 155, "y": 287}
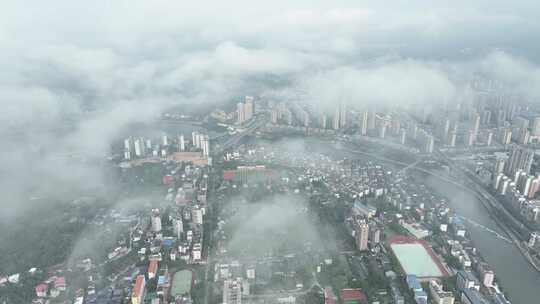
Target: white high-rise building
{"x": 520, "y": 159}
{"x": 372, "y": 118}
{"x": 446, "y": 129}
{"x": 470, "y": 138}
{"x": 127, "y": 149}
{"x": 487, "y": 277}
{"x": 362, "y": 235}
{"x": 342, "y": 115}
{"x": 396, "y": 126}
{"x": 323, "y": 121}
{"x": 430, "y": 143}
{"x": 476, "y": 126}
{"x": 248, "y": 108}
{"x": 232, "y": 291}
{"x": 414, "y": 131}
{"x": 535, "y": 185}
{"x": 402, "y": 136}
{"x": 364, "y": 123}
{"x": 453, "y": 137}
{"x": 533, "y": 239}
{"x": 505, "y": 135}
{"x": 274, "y": 115}
{"x": 138, "y": 147}
{"x": 164, "y": 140}
{"x": 193, "y": 138}
{"x": 497, "y": 180}
{"x": 197, "y": 216}
{"x": 127, "y": 144}
{"x": 240, "y": 112}
{"x": 181, "y": 143}
{"x": 156, "y": 224}
{"x": 528, "y": 184}
{"x": 197, "y": 140}
{"x": 205, "y": 145}
{"x": 382, "y": 129}
{"x": 336, "y": 120}
{"x": 178, "y": 226}
{"x": 156, "y": 220}
{"x": 504, "y": 185}
{"x": 536, "y": 126}
{"x": 499, "y": 165}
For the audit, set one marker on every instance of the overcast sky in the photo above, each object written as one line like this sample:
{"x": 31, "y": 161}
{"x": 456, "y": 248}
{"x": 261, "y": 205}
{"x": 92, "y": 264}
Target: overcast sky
{"x": 127, "y": 60}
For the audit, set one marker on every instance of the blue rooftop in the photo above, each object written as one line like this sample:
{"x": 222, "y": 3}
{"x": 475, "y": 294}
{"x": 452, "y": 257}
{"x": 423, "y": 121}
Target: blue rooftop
{"x": 413, "y": 283}
{"x": 457, "y": 220}
{"x": 162, "y": 280}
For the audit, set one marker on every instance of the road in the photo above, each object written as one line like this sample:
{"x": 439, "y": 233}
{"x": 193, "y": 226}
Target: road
{"x": 236, "y": 138}
{"x": 404, "y": 170}
{"x": 210, "y": 235}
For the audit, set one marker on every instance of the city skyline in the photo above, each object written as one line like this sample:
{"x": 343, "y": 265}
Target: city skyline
{"x": 287, "y": 152}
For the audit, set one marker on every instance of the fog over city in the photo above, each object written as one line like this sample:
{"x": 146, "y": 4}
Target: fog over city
{"x": 76, "y": 78}
{"x": 105, "y": 65}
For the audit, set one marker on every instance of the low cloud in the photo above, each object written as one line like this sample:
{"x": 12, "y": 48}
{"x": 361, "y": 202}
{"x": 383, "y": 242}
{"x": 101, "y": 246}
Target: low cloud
{"x": 279, "y": 223}
{"x": 76, "y": 75}
{"x": 400, "y": 83}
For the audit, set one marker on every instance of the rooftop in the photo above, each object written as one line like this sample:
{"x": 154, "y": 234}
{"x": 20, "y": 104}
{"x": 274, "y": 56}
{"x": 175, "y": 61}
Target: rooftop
{"x": 413, "y": 282}
{"x": 139, "y": 285}
{"x": 351, "y": 294}
{"x": 152, "y": 267}
{"x": 467, "y": 275}
{"x": 42, "y": 287}
{"x": 474, "y": 296}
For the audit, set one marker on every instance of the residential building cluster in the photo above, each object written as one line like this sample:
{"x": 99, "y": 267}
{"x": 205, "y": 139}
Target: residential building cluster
{"x": 449, "y": 240}
{"x": 245, "y": 110}
{"x": 393, "y": 126}
{"x": 141, "y": 148}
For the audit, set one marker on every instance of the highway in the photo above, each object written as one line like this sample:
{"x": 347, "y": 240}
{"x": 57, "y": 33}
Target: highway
{"x": 236, "y": 138}
{"x": 404, "y": 170}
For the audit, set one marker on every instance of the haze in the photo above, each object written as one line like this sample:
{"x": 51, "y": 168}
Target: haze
{"x": 76, "y": 77}
{"x": 103, "y": 65}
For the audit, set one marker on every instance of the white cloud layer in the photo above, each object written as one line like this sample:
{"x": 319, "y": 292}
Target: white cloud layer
{"x": 127, "y": 60}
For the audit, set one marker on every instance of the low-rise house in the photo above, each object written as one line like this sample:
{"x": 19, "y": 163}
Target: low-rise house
{"x": 152, "y": 269}
{"x": 60, "y": 284}
{"x": 467, "y": 280}
{"x": 14, "y": 278}
{"x": 41, "y": 290}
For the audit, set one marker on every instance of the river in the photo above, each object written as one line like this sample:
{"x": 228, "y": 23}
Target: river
{"x": 520, "y": 281}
